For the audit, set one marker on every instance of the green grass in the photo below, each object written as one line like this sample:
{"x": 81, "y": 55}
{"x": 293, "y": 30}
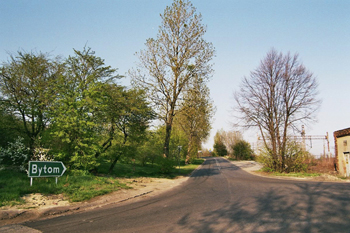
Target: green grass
{"x": 80, "y": 186}
{"x": 148, "y": 170}
{"x": 297, "y": 174}
{"x": 14, "y": 185}
{"x": 291, "y": 174}
{"x": 189, "y": 168}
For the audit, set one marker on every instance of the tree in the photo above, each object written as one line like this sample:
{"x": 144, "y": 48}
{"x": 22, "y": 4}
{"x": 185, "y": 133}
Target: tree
{"x": 172, "y": 60}
{"x": 280, "y": 94}
{"x": 242, "y": 150}
{"x": 195, "y": 116}
{"x": 130, "y": 121}
{"x": 78, "y": 103}
{"x": 230, "y": 138}
{"x": 219, "y": 146}
{"x": 10, "y": 127}
{"x": 26, "y": 86}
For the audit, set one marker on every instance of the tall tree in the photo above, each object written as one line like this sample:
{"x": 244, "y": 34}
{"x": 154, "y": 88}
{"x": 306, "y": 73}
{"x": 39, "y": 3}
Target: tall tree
{"x": 280, "y": 94}
{"x": 26, "y": 86}
{"x": 77, "y": 105}
{"x": 195, "y": 116}
{"x": 172, "y": 60}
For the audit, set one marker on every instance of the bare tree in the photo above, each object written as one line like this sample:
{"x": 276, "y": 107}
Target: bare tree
{"x": 172, "y": 60}
{"x": 278, "y": 96}
{"x": 230, "y": 138}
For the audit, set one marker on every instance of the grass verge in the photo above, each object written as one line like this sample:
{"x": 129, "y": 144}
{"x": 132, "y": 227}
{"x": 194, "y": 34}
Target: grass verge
{"x": 295, "y": 174}
{"x": 80, "y": 186}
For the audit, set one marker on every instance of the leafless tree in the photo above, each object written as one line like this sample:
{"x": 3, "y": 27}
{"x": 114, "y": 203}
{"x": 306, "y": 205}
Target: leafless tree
{"x": 172, "y": 60}
{"x": 278, "y": 96}
{"x": 230, "y": 138}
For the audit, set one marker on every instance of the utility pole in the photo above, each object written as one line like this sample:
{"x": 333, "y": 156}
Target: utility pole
{"x": 305, "y": 137}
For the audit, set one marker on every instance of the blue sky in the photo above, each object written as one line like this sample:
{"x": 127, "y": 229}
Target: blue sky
{"x": 241, "y": 31}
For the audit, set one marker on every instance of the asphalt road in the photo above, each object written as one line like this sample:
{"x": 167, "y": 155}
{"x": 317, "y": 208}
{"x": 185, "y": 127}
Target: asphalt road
{"x": 220, "y": 197}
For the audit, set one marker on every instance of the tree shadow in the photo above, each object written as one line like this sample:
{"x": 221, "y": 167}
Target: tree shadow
{"x": 294, "y": 207}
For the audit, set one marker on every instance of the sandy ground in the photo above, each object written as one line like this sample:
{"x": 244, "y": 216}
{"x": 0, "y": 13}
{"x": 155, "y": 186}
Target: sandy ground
{"x": 39, "y": 207}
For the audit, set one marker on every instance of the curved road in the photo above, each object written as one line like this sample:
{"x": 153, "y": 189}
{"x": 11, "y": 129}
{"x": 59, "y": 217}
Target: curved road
{"x": 220, "y": 197}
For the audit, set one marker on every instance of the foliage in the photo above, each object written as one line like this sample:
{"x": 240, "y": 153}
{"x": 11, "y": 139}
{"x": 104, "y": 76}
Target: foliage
{"x": 27, "y": 88}
{"x": 230, "y": 138}
{"x": 195, "y": 115}
{"x": 220, "y": 149}
{"x": 76, "y": 107}
{"x": 296, "y": 158}
{"x": 219, "y": 146}
{"x": 166, "y": 164}
{"x": 129, "y": 117}
{"x": 172, "y": 60}
{"x": 152, "y": 148}
{"x": 10, "y": 126}
{"x": 242, "y": 150}
{"x": 79, "y": 185}
{"x": 280, "y": 94}
{"x": 16, "y": 155}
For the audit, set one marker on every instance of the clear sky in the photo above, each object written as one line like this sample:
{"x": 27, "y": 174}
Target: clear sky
{"x": 242, "y": 32}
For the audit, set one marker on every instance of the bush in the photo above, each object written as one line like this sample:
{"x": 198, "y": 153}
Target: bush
{"x": 295, "y": 159}
{"x": 166, "y": 164}
{"x": 220, "y": 149}
{"x": 15, "y": 156}
{"x": 242, "y": 150}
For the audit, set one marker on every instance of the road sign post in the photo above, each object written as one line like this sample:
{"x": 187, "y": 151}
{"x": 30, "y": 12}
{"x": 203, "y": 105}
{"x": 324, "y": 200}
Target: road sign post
{"x": 45, "y": 169}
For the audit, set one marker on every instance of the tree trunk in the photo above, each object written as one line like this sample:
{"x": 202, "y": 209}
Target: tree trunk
{"x": 113, "y": 164}
{"x": 189, "y": 150}
{"x": 168, "y": 127}
{"x": 167, "y": 139}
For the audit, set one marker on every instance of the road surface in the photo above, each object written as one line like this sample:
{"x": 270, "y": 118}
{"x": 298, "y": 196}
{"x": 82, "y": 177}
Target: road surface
{"x": 220, "y": 197}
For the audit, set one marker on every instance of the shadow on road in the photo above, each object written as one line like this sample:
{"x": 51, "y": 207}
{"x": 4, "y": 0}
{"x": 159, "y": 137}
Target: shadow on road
{"x": 280, "y": 207}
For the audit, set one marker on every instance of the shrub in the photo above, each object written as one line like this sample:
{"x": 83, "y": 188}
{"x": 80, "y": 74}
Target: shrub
{"x": 295, "y": 159}
{"x": 242, "y": 150}
{"x": 166, "y": 164}
{"x": 16, "y": 155}
{"x": 220, "y": 149}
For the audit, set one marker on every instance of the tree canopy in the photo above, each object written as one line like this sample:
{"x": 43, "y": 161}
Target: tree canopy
{"x": 171, "y": 61}
{"x": 276, "y": 98}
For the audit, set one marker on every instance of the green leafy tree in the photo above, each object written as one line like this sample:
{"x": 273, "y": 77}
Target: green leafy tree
{"x": 172, "y": 60}
{"x": 195, "y": 116}
{"x": 242, "y": 150}
{"x": 27, "y": 84}
{"x": 10, "y": 127}
{"x": 77, "y": 105}
{"x": 130, "y": 122}
{"x": 219, "y": 146}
